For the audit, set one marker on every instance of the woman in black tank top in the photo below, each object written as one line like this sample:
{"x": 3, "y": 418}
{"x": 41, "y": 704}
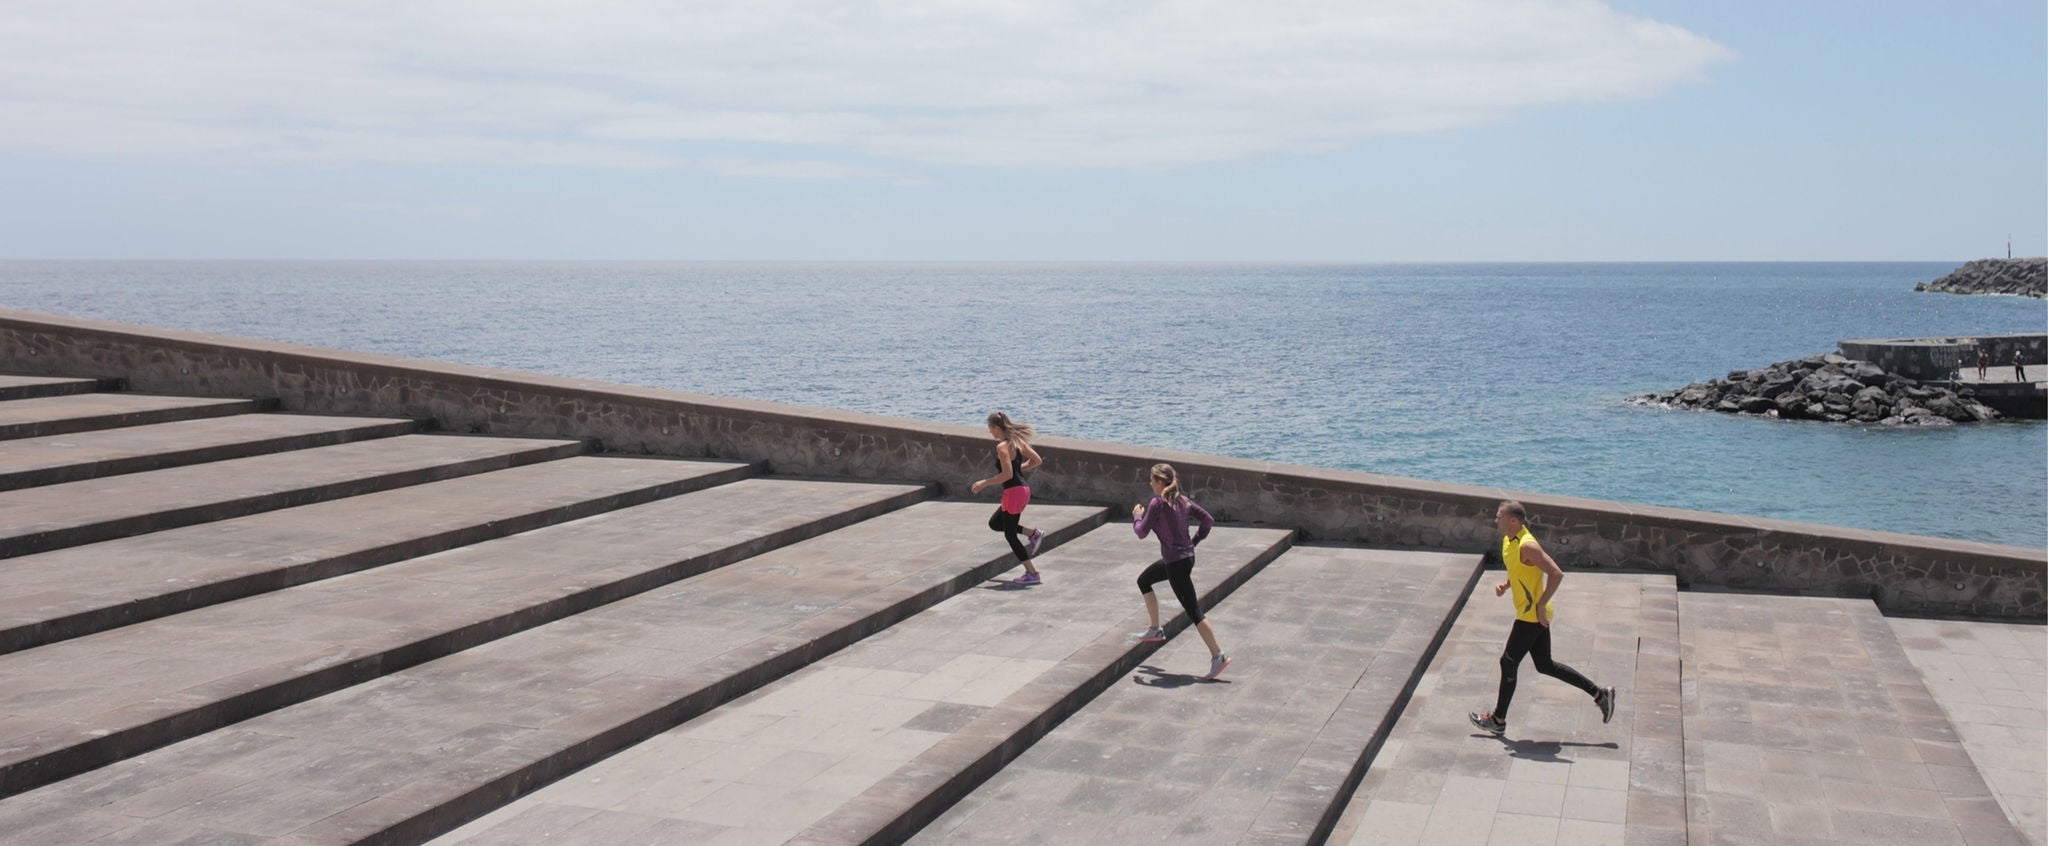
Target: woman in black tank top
{"x": 1014, "y": 459}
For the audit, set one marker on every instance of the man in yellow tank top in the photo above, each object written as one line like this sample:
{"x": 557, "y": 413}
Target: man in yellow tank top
{"x": 1534, "y": 578}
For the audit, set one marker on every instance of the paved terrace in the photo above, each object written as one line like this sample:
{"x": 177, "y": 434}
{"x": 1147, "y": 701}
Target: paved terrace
{"x": 224, "y": 624}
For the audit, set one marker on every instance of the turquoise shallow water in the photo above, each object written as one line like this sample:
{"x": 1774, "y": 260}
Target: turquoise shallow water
{"x": 1494, "y": 374}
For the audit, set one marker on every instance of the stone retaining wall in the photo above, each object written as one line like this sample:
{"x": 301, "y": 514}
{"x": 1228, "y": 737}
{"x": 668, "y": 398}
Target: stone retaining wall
{"x": 1904, "y": 573}
{"x": 1938, "y": 358}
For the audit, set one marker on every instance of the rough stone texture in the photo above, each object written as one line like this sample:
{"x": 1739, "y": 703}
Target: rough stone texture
{"x": 1325, "y": 643}
{"x": 2022, "y": 277}
{"x": 1835, "y": 389}
{"x": 1805, "y": 719}
{"x": 1559, "y": 775}
{"x": 92, "y": 700}
{"x": 1903, "y": 572}
{"x": 898, "y": 720}
{"x": 408, "y": 755}
{"x": 1992, "y": 682}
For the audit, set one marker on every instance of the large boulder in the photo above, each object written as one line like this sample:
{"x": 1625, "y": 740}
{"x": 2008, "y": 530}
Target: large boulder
{"x": 1868, "y": 374}
{"x": 1774, "y": 384}
{"x": 1755, "y": 404}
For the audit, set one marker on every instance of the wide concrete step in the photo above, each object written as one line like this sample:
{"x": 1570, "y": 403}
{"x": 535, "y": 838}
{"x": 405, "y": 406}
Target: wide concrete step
{"x": 398, "y": 759}
{"x": 1559, "y": 775}
{"x": 869, "y": 744}
{"x": 1991, "y": 679}
{"x": 55, "y": 459}
{"x": 1326, "y": 642}
{"x": 66, "y": 593}
{"x": 63, "y": 415}
{"x": 73, "y": 513}
{"x": 85, "y": 702}
{"x": 1805, "y": 721}
{"x": 14, "y": 387}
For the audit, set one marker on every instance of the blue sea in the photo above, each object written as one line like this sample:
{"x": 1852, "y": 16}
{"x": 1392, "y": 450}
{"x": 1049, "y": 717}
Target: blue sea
{"x": 1514, "y": 375}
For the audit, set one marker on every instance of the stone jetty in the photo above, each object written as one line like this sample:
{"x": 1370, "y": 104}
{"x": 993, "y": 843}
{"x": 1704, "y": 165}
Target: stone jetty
{"x": 1831, "y": 388}
{"x": 2020, "y": 277}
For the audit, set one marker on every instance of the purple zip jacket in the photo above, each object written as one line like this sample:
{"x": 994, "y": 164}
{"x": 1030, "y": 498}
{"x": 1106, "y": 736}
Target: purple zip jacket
{"x": 1170, "y": 523}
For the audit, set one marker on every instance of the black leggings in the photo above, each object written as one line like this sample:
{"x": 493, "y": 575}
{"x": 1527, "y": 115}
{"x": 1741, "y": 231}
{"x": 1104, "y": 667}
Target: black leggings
{"x": 1533, "y": 640}
{"x": 1181, "y": 575}
{"x": 1011, "y": 525}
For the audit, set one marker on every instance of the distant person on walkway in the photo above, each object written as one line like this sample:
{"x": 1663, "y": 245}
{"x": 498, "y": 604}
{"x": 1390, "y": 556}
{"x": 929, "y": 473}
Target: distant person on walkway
{"x": 2019, "y": 371}
{"x": 1534, "y": 578}
{"x": 1983, "y": 361}
{"x": 1014, "y": 459}
{"x": 1166, "y": 516}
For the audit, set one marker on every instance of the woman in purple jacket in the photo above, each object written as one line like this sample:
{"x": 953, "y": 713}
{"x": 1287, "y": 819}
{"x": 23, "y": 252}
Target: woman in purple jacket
{"x": 1167, "y": 516}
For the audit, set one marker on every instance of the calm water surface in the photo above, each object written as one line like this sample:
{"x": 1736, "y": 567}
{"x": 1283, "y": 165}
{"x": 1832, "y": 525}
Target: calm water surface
{"x": 1490, "y": 374}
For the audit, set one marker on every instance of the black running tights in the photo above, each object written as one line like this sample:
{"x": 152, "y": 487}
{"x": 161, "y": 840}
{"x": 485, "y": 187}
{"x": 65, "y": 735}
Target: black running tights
{"x": 1181, "y": 576}
{"x": 1011, "y": 525}
{"x": 1533, "y": 640}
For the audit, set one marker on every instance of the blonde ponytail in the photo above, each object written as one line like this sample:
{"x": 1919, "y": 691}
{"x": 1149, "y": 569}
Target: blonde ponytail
{"x": 1166, "y": 476}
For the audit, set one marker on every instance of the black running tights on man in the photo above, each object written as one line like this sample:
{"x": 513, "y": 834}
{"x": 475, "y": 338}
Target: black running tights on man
{"x": 1532, "y": 640}
{"x": 1011, "y": 525}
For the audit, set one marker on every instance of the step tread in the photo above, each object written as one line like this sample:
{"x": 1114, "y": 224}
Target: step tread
{"x": 892, "y": 718}
{"x": 1559, "y": 768}
{"x": 1323, "y": 641}
{"x": 1992, "y": 681}
{"x": 326, "y": 634}
{"x": 14, "y": 386}
{"x": 159, "y": 499}
{"x": 1805, "y": 717}
{"x": 423, "y": 741}
{"x": 64, "y": 458}
{"x": 77, "y": 590}
{"x": 37, "y": 416}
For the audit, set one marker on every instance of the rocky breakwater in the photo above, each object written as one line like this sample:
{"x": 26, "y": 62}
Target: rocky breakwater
{"x": 2022, "y": 277}
{"x": 1830, "y": 388}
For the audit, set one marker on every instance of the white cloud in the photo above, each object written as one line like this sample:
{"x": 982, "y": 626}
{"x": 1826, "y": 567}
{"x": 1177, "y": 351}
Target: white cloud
{"x": 735, "y": 84}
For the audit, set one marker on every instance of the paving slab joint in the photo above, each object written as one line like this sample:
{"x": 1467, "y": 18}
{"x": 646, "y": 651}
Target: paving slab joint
{"x": 935, "y": 803}
{"x": 1341, "y": 797}
{"x": 427, "y": 823}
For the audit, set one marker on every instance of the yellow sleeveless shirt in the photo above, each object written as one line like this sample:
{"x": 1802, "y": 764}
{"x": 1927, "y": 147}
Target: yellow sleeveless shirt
{"x": 1525, "y": 580}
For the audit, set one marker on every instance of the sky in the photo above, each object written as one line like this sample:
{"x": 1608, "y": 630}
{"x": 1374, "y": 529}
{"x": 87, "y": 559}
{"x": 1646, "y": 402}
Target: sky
{"x": 1003, "y": 130}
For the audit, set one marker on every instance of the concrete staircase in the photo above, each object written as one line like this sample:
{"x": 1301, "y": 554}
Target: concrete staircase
{"x": 223, "y": 624}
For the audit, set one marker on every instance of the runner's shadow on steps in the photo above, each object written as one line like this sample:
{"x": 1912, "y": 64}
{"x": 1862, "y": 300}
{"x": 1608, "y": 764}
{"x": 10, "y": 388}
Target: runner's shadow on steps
{"x": 1151, "y": 676}
{"x": 1545, "y": 750}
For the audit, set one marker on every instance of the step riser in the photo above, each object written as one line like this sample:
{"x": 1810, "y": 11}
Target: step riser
{"x": 831, "y": 636}
{"x": 936, "y": 803}
{"x": 163, "y": 605}
{"x": 11, "y": 431}
{"x": 64, "y": 763}
{"x": 180, "y": 517}
{"x": 59, "y": 389}
{"x": 223, "y": 452}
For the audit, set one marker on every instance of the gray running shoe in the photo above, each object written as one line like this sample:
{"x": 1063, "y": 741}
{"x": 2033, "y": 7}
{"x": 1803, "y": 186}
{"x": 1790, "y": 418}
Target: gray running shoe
{"x": 1216, "y": 664}
{"x": 1487, "y": 723}
{"x": 1605, "y": 699}
{"x": 1153, "y": 635}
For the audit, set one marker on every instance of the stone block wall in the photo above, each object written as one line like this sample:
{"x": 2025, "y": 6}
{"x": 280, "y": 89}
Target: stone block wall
{"x": 1902, "y": 572}
{"x": 1937, "y": 358}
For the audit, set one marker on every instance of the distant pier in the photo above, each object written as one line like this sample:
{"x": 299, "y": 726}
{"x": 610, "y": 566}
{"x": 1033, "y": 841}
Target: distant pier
{"x": 1952, "y": 360}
